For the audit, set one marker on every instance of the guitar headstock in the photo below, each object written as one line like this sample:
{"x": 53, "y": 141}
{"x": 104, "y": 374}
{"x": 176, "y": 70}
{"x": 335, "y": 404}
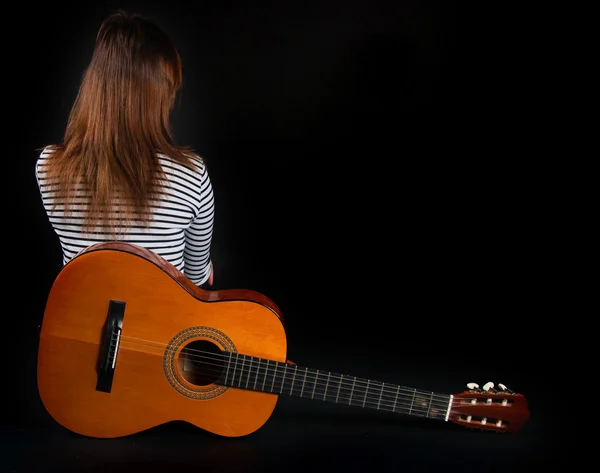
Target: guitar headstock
{"x": 499, "y": 410}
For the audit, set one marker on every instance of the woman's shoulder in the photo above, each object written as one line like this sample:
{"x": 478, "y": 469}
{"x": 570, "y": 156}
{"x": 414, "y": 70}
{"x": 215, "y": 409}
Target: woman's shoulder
{"x": 196, "y": 165}
{"x": 46, "y": 152}
{"x": 42, "y": 158}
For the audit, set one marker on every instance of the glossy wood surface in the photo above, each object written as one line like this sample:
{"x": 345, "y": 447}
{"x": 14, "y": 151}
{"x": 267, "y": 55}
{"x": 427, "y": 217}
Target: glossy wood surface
{"x": 160, "y": 303}
{"x": 198, "y": 292}
{"x": 500, "y": 412}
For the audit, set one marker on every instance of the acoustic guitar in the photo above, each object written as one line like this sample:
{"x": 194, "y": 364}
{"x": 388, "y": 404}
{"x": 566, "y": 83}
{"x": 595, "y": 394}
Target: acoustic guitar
{"x": 127, "y": 343}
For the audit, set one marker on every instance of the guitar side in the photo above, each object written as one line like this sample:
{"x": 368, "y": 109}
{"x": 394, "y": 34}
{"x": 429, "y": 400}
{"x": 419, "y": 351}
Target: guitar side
{"x": 166, "y": 320}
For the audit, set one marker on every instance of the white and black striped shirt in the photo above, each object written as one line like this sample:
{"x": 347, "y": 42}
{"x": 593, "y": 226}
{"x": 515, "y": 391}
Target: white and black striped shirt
{"x": 180, "y": 230}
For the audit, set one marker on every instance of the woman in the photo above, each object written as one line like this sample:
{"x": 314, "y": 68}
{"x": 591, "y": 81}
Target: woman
{"x": 117, "y": 174}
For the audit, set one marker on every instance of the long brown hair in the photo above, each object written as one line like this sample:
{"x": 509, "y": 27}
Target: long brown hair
{"x": 119, "y": 122}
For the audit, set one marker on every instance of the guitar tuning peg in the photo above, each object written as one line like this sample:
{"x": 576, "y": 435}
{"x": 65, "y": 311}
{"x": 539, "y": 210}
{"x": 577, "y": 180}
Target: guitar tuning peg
{"x": 473, "y": 386}
{"x": 488, "y": 387}
{"x": 504, "y": 388}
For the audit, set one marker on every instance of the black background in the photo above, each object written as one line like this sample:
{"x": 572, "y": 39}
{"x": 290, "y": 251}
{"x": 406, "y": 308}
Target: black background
{"x": 373, "y": 176}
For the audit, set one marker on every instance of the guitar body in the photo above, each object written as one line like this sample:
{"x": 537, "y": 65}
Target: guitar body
{"x": 161, "y": 316}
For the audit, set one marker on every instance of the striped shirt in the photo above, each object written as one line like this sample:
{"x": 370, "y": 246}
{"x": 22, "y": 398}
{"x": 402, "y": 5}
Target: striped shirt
{"x": 180, "y": 229}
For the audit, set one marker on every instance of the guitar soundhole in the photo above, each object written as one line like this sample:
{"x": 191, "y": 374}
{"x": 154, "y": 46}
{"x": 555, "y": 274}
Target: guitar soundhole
{"x": 200, "y": 362}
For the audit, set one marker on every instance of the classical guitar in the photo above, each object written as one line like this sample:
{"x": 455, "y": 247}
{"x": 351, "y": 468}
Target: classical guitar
{"x": 127, "y": 342}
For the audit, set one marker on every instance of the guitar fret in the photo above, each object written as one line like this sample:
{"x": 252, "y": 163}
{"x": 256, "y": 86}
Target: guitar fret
{"x": 396, "y": 399}
{"x": 242, "y": 371}
{"x": 312, "y": 396}
{"x": 337, "y": 396}
{"x": 257, "y": 371}
{"x": 334, "y": 383}
{"x": 293, "y": 379}
{"x": 264, "y": 367}
{"x": 257, "y": 374}
{"x": 352, "y": 391}
{"x": 304, "y": 381}
{"x": 265, "y": 376}
{"x": 309, "y": 377}
{"x": 228, "y": 366}
{"x": 326, "y": 385}
{"x": 366, "y": 392}
{"x": 249, "y": 372}
{"x": 234, "y": 368}
{"x": 274, "y": 377}
{"x": 412, "y": 401}
{"x": 380, "y": 394}
{"x": 429, "y": 406}
{"x": 283, "y": 379}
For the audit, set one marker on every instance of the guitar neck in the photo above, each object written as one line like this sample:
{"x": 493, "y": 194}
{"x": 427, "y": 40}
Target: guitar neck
{"x": 258, "y": 374}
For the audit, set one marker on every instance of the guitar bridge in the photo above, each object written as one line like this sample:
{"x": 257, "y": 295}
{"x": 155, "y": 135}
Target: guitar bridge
{"x": 109, "y": 346}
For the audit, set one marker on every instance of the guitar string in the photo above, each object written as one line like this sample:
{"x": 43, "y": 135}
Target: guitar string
{"x": 333, "y": 376}
{"x": 358, "y": 382}
{"x": 420, "y": 407}
{"x": 432, "y": 408}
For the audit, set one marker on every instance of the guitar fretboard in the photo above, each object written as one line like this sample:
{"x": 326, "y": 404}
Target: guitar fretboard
{"x": 258, "y": 374}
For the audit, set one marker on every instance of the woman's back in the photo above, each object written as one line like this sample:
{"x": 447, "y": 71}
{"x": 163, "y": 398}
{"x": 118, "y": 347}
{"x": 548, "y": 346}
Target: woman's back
{"x": 179, "y": 227}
